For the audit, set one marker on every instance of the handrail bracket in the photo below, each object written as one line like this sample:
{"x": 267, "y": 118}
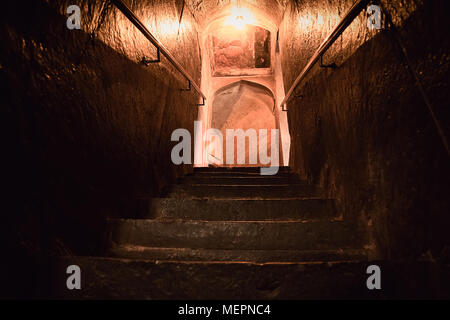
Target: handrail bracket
{"x": 157, "y": 60}
{"x": 330, "y": 66}
{"x": 188, "y": 88}
{"x": 203, "y": 103}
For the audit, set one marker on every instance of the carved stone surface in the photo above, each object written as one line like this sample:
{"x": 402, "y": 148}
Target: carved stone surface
{"x": 363, "y": 131}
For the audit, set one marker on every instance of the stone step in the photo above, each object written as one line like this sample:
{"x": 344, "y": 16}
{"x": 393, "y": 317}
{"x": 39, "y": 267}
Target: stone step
{"x": 240, "y": 180}
{"x": 240, "y": 174}
{"x": 256, "y": 170}
{"x": 206, "y": 191}
{"x": 260, "y": 256}
{"x": 241, "y": 210}
{"x": 242, "y": 235}
{"x": 112, "y": 278}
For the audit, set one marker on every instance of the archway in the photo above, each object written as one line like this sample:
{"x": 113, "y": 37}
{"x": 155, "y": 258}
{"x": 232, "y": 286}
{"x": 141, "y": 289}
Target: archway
{"x": 247, "y": 106}
{"x": 239, "y": 42}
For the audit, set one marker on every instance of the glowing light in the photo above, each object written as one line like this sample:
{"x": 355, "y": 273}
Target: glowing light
{"x": 239, "y": 18}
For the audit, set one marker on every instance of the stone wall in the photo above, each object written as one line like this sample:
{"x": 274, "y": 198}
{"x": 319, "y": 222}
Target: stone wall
{"x": 86, "y": 126}
{"x": 363, "y": 132}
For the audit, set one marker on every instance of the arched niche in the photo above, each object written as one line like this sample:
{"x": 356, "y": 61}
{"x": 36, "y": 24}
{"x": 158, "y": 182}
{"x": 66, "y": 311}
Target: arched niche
{"x": 245, "y": 51}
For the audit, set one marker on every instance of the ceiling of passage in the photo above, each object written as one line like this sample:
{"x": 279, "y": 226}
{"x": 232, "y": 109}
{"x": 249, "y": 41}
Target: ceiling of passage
{"x": 205, "y": 11}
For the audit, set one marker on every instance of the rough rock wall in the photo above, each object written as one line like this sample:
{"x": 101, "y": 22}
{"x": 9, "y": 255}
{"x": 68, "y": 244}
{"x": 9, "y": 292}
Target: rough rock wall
{"x": 86, "y": 126}
{"x": 363, "y": 132}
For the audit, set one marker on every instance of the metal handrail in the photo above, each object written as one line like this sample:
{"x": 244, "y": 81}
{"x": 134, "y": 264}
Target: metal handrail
{"x": 354, "y": 11}
{"x": 135, "y": 20}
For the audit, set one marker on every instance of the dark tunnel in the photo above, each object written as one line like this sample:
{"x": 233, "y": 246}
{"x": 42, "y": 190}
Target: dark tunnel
{"x": 117, "y": 118}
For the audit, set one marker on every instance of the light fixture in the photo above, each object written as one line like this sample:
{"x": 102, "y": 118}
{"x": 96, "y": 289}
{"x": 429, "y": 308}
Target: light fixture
{"x": 239, "y": 17}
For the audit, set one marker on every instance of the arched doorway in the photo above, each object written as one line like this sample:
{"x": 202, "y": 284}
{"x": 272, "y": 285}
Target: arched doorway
{"x": 239, "y": 46}
{"x": 247, "y": 106}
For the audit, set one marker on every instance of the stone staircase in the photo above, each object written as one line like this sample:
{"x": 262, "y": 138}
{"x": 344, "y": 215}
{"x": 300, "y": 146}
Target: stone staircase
{"x": 235, "y": 214}
{"x": 230, "y": 233}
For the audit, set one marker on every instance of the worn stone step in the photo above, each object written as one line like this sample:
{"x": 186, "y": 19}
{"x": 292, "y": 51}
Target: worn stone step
{"x": 240, "y": 180}
{"x": 238, "y": 210}
{"x": 112, "y": 278}
{"x": 243, "y": 235}
{"x": 240, "y": 174}
{"x": 261, "y": 256}
{"x": 245, "y": 173}
{"x": 256, "y": 170}
{"x": 205, "y": 191}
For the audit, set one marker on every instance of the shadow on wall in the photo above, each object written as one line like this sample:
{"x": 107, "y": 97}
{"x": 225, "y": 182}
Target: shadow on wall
{"x": 88, "y": 130}
{"x": 363, "y": 132}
